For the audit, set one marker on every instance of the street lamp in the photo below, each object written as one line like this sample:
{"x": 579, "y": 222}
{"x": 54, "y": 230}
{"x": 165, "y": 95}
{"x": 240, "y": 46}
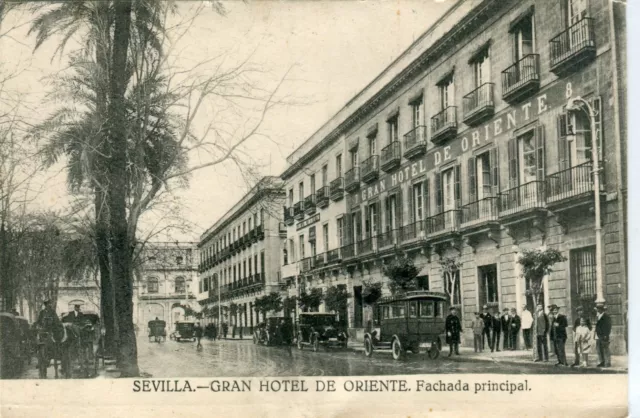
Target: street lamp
{"x": 573, "y": 105}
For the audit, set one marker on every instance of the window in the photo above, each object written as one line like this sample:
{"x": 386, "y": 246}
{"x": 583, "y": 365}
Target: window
{"x": 325, "y": 175}
{"x": 312, "y": 180}
{"x": 392, "y": 128}
{"x": 446, "y": 91}
{"x": 481, "y": 68}
{"x": 452, "y": 286}
{"x": 292, "y": 249}
{"x": 427, "y": 309}
{"x": 255, "y": 263}
{"x": 249, "y": 221}
{"x": 423, "y": 282}
{"x": 339, "y": 165}
{"x": 301, "y": 191}
{"x": 391, "y": 212}
{"x": 576, "y": 11}
{"x": 397, "y": 311}
{"x": 583, "y": 272}
{"x": 372, "y": 144}
{"x": 204, "y": 287}
{"x": 234, "y": 273}
{"x": 244, "y": 268}
{"x": 285, "y": 259}
{"x": 152, "y": 285}
{"x": 180, "y": 285}
{"x": 527, "y": 157}
{"x": 312, "y": 245}
{"x": 290, "y": 197}
{"x": 488, "y": 284}
{"x": 325, "y": 237}
{"x": 340, "y": 231}
{"x": 354, "y": 157}
{"x": 179, "y": 260}
{"x": 372, "y": 220}
{"x": 249, "y": 263}
{"x": 301, "y": 246}
{"x": 418, "y": 202}
{"x": 413, "y": 309}
{"x": 244, "y": 228}
{"x": 262, "y": 263}
{"x": 417, "y": 112}
{"x": 523, "y": 36}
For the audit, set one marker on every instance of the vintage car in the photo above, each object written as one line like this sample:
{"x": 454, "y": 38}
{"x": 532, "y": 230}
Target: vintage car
{"x": 157, "y": 330}
{"x": 275, "y": 331}
{"x": 184, "y": 331}
{"x": 409, "y": 322}
{"x": 315, "y": 329}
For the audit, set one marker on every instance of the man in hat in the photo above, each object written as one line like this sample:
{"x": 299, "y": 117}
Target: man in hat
{"x": 542, "y": 330}
{"x": 552, "y": 332}
{"x": 514, "y": 329}
{"x": 47, "y": 315}
{"x": 559, "y": 326}
{"x": 75, "y": 315}
{"x": 488, "y": 326}
{"x": 495, "y": 332}
{"x": 603, "y": 332}
{"x": 527, "y": 323}
{"x": 576, "y": 345}
{"x": 505, "y": 322}
{"x": 453, "y": 327}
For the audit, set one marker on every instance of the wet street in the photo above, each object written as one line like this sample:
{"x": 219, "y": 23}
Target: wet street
{"x": 235, "y": 358}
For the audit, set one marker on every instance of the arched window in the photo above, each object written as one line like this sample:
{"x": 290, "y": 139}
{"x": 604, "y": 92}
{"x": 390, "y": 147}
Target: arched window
{"x": 180, "y": 285}
{"x": 152, "y": 285}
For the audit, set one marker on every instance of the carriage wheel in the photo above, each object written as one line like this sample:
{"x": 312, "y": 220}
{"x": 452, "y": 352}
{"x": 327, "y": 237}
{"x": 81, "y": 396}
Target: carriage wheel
{"x": 397, "y": 350}
{"x": 42, "y": 361}
{"x": 434, "y": 351}
{"x": 368, "y": 347}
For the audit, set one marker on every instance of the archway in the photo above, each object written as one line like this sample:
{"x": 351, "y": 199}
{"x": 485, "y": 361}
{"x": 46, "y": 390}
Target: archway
{"x": 153, "y": 311}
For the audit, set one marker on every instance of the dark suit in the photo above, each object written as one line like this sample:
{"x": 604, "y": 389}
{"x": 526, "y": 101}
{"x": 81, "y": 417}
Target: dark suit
{"x": 552, "y": 335}
{"x": 603, "y": 332}
{"x": 560, "y": 337}
{"x": 495, "y": 338}
{"x": 505, "y": 321}
{"x": 453, "y": 328}
{"x": 542, "y": 329}
{"x": 75, "y": 317}
{"x": 514, "y": 329}
{"x": 486, "y": 331}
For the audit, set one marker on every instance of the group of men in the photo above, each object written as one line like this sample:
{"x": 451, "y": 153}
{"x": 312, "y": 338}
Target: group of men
{"x": 488, "y": 328}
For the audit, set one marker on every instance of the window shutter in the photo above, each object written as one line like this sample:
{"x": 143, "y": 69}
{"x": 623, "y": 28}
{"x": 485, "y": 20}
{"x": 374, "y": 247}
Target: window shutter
{"x": 563, "y": 144}
{"x": 377, "y": 218}
{"x": 347, "y": 235}
{"x": 427, "y": 198}
{"x": 540, "y": 154}
{"x": 358, "y": 225}
{"x": 471, "y": 172}
{"x": 512, "y": 148}
{"x": 410, "y": 201}
{"x": 598, "y": 135}
{"x": 438, "y": 193}
{"x": 367, "y": 221}
{"x": 456, "y": 187}
{"x": 494, "y": 166}
{"x": 399, "y": 208}
{"x": 387, "y": 213}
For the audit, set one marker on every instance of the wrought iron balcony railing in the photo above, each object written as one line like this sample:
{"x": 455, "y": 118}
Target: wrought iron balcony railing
{"x": 336, "y": 189}
{"x": 415, "y": 142}
{"x": 365, "y": 246}
{"x": 522, "y": 198}
{"x": 386, "y": 239}
{"x": 352, "y": 179}
{"x": 348, "y": 251}
{"x": 298, "y": 210}
{"x": 478, "y": 105}
{"x": 288, "y": 218}
{"x": 370, "y": 168}
{"x": 412, "y": 231}
{"x": 334, "y": 256}
{"x": 569, "y": 183}
{"x": 572, "y": 46}
{"x": 443, "y": 223}
{"x": 310, "y": 204}
{"x": 521, "y": 79}
{"x": 322, "y": 197}
{"x": 390, "y": 156}
{"x": 444, "y": 125}
{"x": 479, "y": 212}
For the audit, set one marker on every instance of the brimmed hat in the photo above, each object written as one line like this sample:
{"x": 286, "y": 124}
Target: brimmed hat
{"x": 485, "y": 307}
{"x": 553, "y": 307}
{"x": 601, "y": 306}
{"x": 513, "y": 310}
{"x": 505, "y": 310}
{"x": 452, "y": 308}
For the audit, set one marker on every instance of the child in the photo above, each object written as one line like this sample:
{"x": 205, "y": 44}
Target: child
{"x": 583, "y": 339}
{"x": 478, "y": 326}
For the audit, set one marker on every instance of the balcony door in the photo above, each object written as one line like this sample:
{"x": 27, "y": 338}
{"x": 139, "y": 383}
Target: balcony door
{"x": 354, "y": 157}
{"x": 372, "y": 145}
{"x": 417, "y": 113}
{"x": 446, "y": 93}
{"x": 482, "y": 68}
{"x": 325, "y": 176}
{"x": 448, "y": 197}
{"x": 577, "y": 10}
{"x": 391, "y": 213}
{"x": 312, "y": 180}
{"x": 524, "y": 38}
{"x": 528, "y": 167}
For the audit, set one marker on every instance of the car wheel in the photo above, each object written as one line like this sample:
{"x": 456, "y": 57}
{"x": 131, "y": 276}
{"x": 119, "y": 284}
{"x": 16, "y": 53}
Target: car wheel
{"x": 368, "y": 347}
{"x": 397, "y": 350}
{"x": 434, "y": 351}
{"x": 316, "y": 344}
{"x": 299, "y": 343}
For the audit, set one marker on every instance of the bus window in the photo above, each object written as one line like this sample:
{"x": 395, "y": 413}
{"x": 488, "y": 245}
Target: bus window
{"x": 426, "y": 309}
{"x": 398, "y": 311}
{"x": 385, "y": 312}
{"x": 413, "y": 309}
{"x": 440, "y": 309}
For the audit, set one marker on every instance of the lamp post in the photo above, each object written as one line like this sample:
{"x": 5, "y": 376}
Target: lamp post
{"x": 187, "y": 283}
{"x": 575, "y": 104}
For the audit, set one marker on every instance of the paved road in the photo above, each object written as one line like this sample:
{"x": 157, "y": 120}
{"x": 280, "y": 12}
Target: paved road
{"x": 234, "y": 358}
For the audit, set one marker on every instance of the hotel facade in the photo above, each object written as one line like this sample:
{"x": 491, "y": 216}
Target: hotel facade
{"x": 463, "y": 149}
{"x": 240, "y": 257}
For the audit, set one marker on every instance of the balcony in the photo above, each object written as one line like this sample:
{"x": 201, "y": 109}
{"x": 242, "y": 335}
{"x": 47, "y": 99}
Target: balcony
{"x": 390, "y": 157}
{"x": 573, "y": 47}
{"x": 288, "y": 218}
{"x": 411, "y": 233}
{"x": 521, "y": 79}
{"x": 479, "y": 213}
{"x": 307, "y": 264}
{"x": 348, "y": 251}
{"x": 322, "y": 197}
{"x": 478, "y": 105}
{"x": 386, "y": 240}
{"x": 334, "y": 256}
{"x": 310, "y": 204}
{"x": 365, "y": 246}
{"x": 260, "y": 232}
{"x": 444, "y": 125}
{"x": 320, "y": 260}
{"x": 415, "y": 142}
{"x": 522, "y": 200}
{"x": 444, "y": 223}
{"x": 298, "y": 212}
{"x": 336, "y": 189}
{"x": 571, "y": 187}
{"x": 352, "y": 179}
{"x": 371, "y": 169}
{"x": 282, "y": 230}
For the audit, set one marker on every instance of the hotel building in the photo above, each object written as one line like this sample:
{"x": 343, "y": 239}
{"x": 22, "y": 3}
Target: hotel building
{"x": 240, "y": 256}
{"x": 463, "y": 149}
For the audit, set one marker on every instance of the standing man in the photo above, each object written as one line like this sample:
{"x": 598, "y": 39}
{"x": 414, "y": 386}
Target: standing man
{"x": 527, "y": 323}
{"x": 505, "y": 322}
{"x": 560, "y": 335}
{"x": 514, "y": 329}
{"x": 488, "y": 325}
{"x": 75, "y": 315}
{"x": 603, "y": 331}
{"x": 576, "y": 344}
{"x": 453, "y": 328}
{"x": 496, "y": 329}
{"x": 542, "y": 330}
{"x": 552, "y": 332}
{"x": 225, "y": 329}
{"x": 47, "y": 315}
{"x": 197, "y": 331}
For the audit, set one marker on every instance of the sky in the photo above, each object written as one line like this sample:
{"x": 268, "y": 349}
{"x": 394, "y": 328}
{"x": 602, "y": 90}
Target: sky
{"x": 333, "y": 49}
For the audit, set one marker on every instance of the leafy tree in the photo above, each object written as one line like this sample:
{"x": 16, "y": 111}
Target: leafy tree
{"x": 402, "y": 273}
{"x": 268, "y": 303}
{"x": 371, "y": 292}
{"x": 311, "y": 300}
{"x": 535, "y": 265}
{"x": 450, "y": 270}
{"x": 233, "y": 311}
{"x": 336, "y": 299}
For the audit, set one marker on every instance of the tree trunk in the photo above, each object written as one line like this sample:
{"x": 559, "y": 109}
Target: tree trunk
{"x": 117, "y": 193}
{"x": 106, "y": 285}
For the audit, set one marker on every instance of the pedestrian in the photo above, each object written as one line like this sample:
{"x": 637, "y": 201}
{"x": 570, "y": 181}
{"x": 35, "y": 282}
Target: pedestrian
{"x": 225, "y": 329}
{"x": 526, "y": 322}
{"x": 453, "y": 328}
{"x": 559, "y": 327}
{"x": 240, "y": 331}
{"x": 576, "y": 345}
{"x": 214, "y": 331}
{"x": 496, "y": 330}
{"x": 603, "y": 332}
{"x": 197, "y": 331}
{"x": 514, "y": 330}
{"x": 477, "y": 325}
{"x": 583, "y": 341}
{"x": 488, "y": 325}
{"x": 542, "y": 330}
{"x": 552, "y": 332}
{"x": 505, "y": 323}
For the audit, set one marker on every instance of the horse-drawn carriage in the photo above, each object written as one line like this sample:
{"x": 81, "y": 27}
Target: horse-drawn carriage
{"x": 157, "y": 330}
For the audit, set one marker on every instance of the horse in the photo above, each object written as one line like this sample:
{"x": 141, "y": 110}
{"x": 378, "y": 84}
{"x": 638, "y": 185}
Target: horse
{"x": 57, "y": 340}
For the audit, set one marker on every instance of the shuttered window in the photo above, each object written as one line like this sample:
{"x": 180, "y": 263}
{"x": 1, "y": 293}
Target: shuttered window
{"x": 583, "y": 271}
